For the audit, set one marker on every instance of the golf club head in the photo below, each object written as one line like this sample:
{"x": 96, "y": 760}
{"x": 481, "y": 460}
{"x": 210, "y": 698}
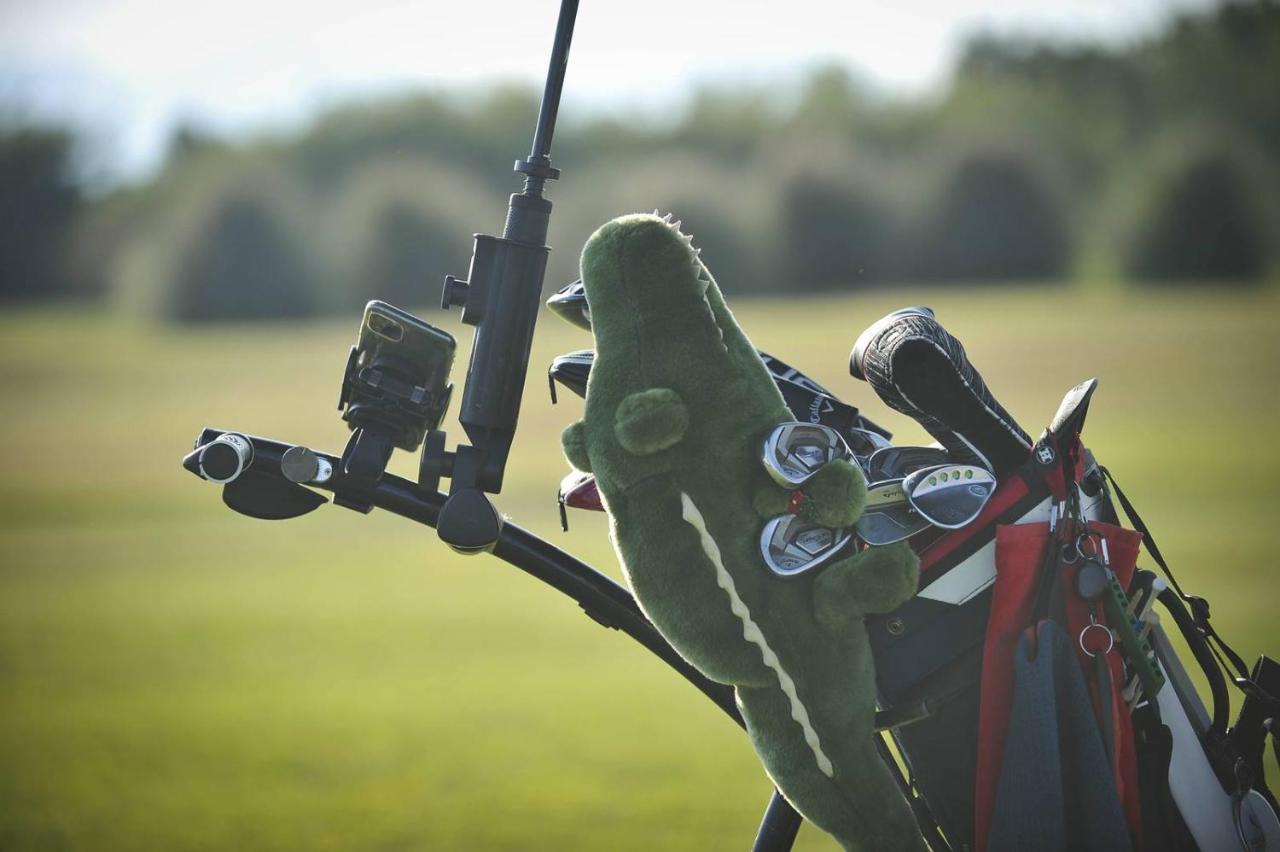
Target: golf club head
{"x": 950, "y": 496}
{"x": 578, "y": 491}
{"x": 571, "y": 370}
{"x": 795, "y": 451}
{"x": 864, "y": 443}
{"x": 889, "y": 516}
{"x": 896, "y": 462}
{"x": 791, "y": 546}
{"x": 864, "y": 340}
{"x": 804, "y": 397}
{"x": 570, "y": 304}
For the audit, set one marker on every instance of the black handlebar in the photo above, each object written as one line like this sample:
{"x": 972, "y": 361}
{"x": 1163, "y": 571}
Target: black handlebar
{"x": 268, "y": 486}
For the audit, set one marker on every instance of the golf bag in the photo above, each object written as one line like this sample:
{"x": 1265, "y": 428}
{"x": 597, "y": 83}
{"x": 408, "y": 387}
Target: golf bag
{"x": 1179, "y": 777}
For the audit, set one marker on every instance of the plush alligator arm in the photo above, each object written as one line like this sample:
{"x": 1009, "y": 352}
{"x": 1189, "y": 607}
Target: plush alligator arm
{"x": 573, "y": 440}
{"x": 834, "y": 497}
{"x": 878, "y": 579}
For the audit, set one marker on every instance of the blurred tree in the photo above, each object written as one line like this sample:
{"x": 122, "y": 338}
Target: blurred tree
{"x": 829, "y": 98}
{"x": 397, "y": 226}
{"x": 995, "y": 220}
{"x": 1203, "y": 224}
{"x": 731, "y": 165}
{"x": 481, "y": 135}
{"x": 727, "y": 123}
{"x": 102, "y": 232}
{"x": 39, "y": 203}
{"x": 405, "y": 247}
{"x": 238, "y": 260}
{"x": 726, "y": 250}
{"x": 189, "y": 141}
{"x": 1222, "y": 64}
{"x": 834, "y": 234}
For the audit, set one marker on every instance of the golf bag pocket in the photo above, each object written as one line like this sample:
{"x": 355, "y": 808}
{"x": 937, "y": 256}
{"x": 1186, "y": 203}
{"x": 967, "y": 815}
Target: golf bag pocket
{"x": 1021, "y": 571}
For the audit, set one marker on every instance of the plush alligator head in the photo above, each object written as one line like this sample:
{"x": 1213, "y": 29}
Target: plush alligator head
{"x": 675, "y": 384}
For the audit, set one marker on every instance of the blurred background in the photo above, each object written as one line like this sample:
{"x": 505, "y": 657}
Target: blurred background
{"x": 196, "y": 202}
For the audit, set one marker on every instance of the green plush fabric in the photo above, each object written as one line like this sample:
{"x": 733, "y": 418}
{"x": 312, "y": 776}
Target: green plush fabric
{"x": 678, "y": 407}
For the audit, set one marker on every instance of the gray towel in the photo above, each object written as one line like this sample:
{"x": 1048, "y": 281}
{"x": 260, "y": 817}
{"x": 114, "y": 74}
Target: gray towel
{"x": 1056, "y": 791}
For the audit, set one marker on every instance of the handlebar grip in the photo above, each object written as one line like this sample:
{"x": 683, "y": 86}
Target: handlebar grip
{"x": 225, "y": 458}
{"x": 918, "y": 368}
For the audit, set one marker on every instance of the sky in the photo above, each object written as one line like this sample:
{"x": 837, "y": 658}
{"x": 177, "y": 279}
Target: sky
{"x": 125, "y": 72}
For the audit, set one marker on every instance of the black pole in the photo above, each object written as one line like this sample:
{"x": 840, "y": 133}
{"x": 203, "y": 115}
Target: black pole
{"x": 501, "y": 297}
{"x": 546, "y": 127}
{"x": 778, "y": 827}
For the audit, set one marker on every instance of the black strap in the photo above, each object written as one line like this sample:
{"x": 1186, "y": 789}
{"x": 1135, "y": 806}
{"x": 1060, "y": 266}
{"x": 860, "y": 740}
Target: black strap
{"x": 1199, "y": 606}
{"x": 1162, "y": 823}
{"x": 1273, "y": 728}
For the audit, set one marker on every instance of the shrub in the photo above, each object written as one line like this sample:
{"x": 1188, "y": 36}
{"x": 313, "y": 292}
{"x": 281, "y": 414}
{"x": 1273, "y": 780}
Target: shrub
{"x": 994, "y": 220}
{"x": 243, "y": 265}
{"x": 1202, "y": 223}
{"x": 398, "y": 227}
{"x": 726, "y": 249}
{"x": 38, "y": 207}
{"x": 725, "y": 212}
{"x": 227, "y": 246}
{"x": 833, "y": 233}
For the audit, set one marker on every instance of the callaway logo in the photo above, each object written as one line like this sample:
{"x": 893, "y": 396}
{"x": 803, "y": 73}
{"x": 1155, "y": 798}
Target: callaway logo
{"x": 819, "y": 406}
{"x": 1045, "y": 454}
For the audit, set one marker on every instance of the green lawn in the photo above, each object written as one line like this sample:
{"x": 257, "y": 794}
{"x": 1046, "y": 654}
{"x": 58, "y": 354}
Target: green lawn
{"x": 174, "y": 676}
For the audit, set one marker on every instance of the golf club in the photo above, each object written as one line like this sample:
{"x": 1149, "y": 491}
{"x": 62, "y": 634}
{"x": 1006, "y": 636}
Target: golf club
{"x": 949, "y": 496}
{"x": 792, "y": 546}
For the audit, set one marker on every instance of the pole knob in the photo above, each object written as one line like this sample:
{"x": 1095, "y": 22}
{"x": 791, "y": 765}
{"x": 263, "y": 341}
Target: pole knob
{"x": 454, "y": 293}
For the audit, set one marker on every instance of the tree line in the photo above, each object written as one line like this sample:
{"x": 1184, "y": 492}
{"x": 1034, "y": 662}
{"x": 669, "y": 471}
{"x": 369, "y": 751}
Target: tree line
{"x": 1156, "y": 163}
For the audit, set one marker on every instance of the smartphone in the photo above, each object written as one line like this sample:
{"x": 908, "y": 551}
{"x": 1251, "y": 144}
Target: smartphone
{"x": 398, "y": 376}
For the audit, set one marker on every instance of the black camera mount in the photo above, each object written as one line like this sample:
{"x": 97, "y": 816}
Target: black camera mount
{"x": 500, "y": 297}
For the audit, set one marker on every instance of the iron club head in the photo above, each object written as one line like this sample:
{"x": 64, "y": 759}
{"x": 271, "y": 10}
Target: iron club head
{"x": 950, "y": 496}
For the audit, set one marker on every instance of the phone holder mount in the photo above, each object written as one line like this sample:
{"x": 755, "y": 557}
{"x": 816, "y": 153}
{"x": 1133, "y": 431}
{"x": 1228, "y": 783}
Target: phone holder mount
{"x": 385, "y": 410}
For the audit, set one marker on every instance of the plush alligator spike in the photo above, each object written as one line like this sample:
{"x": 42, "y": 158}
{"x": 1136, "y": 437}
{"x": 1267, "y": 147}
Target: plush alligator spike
{"x": 678, "y": 407}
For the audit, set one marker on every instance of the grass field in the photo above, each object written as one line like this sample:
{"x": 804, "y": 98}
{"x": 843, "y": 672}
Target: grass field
{"x": 174, "y": 676}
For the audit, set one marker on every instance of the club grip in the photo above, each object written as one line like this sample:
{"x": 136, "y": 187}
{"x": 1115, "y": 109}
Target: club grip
{"x": 918, "y": 368}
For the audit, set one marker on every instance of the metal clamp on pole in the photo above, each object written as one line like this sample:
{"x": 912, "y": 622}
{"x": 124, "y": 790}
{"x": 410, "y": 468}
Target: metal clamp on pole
{"x": 500, "y": 297}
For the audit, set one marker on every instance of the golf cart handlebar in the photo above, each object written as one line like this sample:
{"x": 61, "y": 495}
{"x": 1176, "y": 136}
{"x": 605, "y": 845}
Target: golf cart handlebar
{"x": 272, "y": 480}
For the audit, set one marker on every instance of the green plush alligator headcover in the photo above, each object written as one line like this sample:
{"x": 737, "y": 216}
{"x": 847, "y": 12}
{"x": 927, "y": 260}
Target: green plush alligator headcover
{"x": 678, "y": 408}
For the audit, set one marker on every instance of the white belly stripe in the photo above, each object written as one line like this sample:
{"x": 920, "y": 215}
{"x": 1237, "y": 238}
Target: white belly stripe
{"x": 751, "y": 632}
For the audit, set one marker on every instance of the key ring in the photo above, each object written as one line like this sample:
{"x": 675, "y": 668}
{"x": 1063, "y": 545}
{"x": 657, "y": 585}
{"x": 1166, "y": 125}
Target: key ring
{"x": 1087, "y": 545}
{"x": 1091, "y": 545}
{"x": 1111, "y": 639}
